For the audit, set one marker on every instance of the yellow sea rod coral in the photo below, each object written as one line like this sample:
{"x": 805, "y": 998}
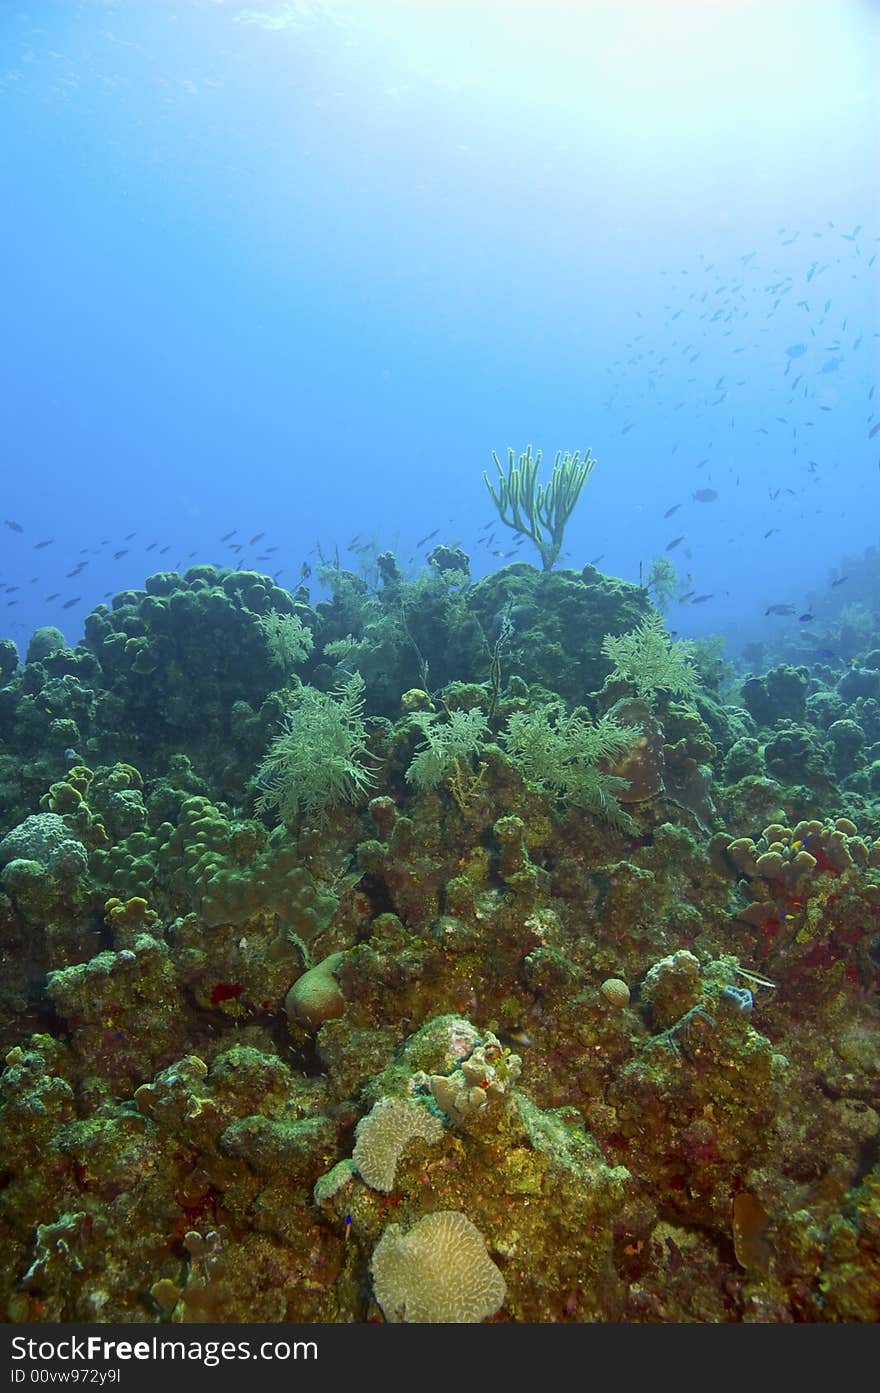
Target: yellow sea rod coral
{"x": 438, "y": 1273}
{"x": 384, "y": 1134}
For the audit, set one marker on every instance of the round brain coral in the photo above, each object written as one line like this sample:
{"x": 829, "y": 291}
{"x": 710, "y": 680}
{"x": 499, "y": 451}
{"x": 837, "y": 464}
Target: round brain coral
{"x": 438, "y": 1273}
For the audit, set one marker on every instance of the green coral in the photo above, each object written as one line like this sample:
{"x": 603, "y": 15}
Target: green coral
{"x": 661, "y": 581}
{"x": 536, "y": 510}
{"x": 444, "y": 744}
{"x": 648, "y": 660}
{"x": 288, "y": 641}
{"x": 561, "y": 753}
{"x": 317, "y": 760}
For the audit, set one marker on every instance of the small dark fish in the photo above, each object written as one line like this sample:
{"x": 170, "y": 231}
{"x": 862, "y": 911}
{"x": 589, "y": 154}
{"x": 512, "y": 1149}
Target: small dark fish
{"x": 56, "y": 596}
{"x": 305, "y": 571}
{"x": 873, "y": 431}
{"x": 596, "y": 559}
{"x": 701, "y": 599}
{"x": 806, "y": 618}
{"x": 162, "y": 550}
{"x": 769, "y": 532}
{"x": 227, "y": 535}
{"x": 68, "y": 604}
{"x": 674, "y": 509}
{"x": 236, "y": 546}
{"x": 257, "y": 537}
{"x": 118, "y": 554}
{"x": 779, "y": 609}
{"x": 128, "y": 536}
{"x": 76, "y": 570}
{"x": 839, "y": 581}
{"x": 705, "y": 495}
{"x": 16, "y": 526}
{"x": 431, "y": 536}
{"x": 38, "y": 546}
{"x": 675, "y": 541}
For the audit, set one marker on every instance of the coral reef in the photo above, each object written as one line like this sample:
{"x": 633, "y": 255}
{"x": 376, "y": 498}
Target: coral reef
{"x": 446, "y": 951}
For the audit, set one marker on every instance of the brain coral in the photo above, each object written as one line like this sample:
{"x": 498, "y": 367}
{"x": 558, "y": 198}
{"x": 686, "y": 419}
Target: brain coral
{"x": 384, "y": 1134}
{"x": 439, "y": 1272}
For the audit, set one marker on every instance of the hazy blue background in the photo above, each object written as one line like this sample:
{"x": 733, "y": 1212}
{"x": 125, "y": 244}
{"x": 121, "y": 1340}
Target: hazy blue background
{"x": 298, "y": 269}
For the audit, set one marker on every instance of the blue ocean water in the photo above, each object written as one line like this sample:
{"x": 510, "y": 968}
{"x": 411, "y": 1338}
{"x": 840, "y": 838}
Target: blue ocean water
{"x": 278, "y": 278}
